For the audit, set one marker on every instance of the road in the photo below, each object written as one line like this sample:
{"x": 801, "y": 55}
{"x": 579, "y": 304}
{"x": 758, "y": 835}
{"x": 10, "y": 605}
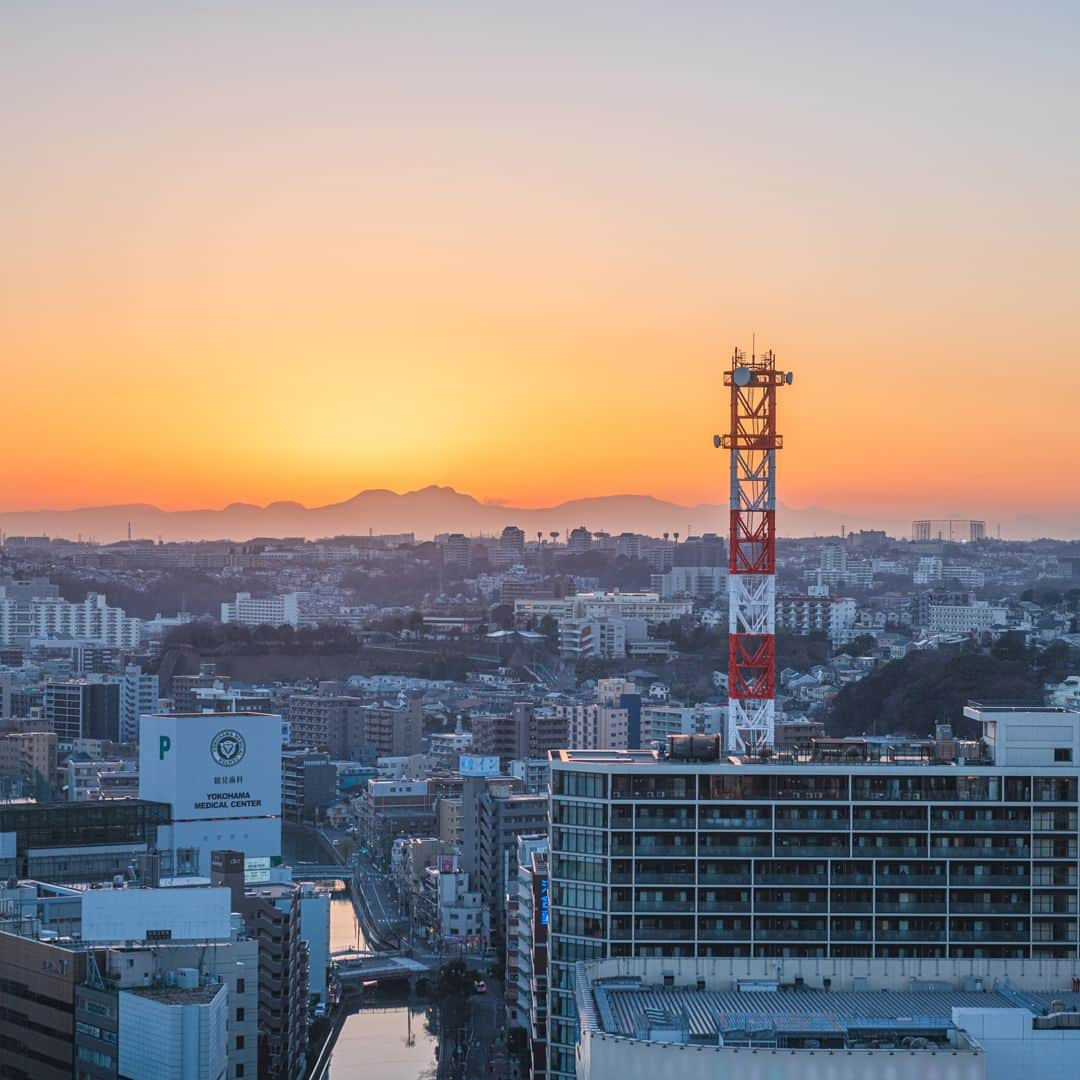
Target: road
{"x": 379, "y": 902}
{"x": 488, "y": 1059}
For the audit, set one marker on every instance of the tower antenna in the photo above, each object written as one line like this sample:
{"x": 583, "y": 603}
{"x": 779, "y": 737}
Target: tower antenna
{"x": 753, "y": 442}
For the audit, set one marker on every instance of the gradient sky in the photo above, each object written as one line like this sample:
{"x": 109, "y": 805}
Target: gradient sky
{"x": 264, "y": 251}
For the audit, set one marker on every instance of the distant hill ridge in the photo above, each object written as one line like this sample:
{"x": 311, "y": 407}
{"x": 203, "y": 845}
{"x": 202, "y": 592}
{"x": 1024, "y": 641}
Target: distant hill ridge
{"x": 425, "y": 512}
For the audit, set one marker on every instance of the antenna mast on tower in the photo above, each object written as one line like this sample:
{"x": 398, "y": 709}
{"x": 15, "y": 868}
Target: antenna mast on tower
{"x": 753, "y": 442}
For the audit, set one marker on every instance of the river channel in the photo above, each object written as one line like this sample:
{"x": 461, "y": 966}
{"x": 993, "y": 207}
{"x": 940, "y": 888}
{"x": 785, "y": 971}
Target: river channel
{"x": 387, "y": 1040}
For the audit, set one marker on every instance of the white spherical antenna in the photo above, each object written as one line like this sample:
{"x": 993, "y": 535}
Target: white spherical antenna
{"x": 742, "y": 376}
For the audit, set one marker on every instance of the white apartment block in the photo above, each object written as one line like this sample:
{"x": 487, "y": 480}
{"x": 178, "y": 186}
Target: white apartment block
{"x": 595, "y": 726}
{"x": 639, "y": 605}
{"x": 605, "y": 639}
{"x": 603, "y": 605}
{"x": 699, "y": 582}
{"x": 25, "y": 619}
{"x": 830, "y": 615}
{"x": 660, "y": 721}
{"x": 961, "y": 618}
{"x": 269, "y": 611}
{"x": 139, "y": 693}
{"x": 928, "y": 571}
{"x": 965, "y": 576}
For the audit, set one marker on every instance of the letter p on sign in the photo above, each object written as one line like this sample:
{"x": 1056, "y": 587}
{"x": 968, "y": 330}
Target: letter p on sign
{"x": 164, "y": 744}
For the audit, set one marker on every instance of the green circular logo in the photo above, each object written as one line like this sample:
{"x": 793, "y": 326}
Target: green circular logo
{"x": 227, "y": 748}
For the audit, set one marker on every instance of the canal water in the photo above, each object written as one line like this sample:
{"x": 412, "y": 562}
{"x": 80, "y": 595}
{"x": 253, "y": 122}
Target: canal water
{"x": 388, "y": 1040}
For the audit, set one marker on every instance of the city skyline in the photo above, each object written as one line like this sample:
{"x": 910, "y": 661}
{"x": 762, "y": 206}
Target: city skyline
{"x": 432, "y": 511}
{"x": 269, "y": 254}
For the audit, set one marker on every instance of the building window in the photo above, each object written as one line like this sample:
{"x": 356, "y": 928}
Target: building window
{"x": 239, "y": 1042}
{"x": 239, "y": 1014}
{"x": 1063, "y": 753}
{"x": 239, "y": 986}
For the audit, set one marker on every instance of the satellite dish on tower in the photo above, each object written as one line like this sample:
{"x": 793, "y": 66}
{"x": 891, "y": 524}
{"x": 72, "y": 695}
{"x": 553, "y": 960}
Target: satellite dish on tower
{"x": 742, "y": 376}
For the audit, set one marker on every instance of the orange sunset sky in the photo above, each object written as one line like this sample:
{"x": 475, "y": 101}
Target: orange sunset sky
{"x": 291, "y": 251}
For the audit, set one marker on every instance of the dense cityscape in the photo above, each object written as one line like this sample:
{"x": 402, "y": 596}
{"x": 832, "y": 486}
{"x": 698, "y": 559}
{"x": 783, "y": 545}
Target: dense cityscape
{"x": 539, "y": 541}
{"x": 203, "y": 744}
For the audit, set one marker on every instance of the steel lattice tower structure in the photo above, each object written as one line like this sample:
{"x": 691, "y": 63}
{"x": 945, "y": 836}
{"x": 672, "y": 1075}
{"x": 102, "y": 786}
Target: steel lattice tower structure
{"x": 753, "y": 442}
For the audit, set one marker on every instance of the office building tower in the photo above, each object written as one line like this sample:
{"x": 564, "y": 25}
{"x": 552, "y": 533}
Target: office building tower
{"x": 78, "y": 709}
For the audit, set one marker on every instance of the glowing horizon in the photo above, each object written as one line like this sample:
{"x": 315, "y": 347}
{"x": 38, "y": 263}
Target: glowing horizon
{"x": 270, "y": 254}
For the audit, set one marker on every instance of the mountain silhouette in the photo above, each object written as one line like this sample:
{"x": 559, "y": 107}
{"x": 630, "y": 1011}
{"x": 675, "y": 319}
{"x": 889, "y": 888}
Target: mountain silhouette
{"x": 425, "y": 512}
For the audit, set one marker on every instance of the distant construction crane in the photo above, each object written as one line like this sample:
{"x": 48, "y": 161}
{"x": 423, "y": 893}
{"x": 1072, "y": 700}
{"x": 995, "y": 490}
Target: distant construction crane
{"x": 753, "y": 442}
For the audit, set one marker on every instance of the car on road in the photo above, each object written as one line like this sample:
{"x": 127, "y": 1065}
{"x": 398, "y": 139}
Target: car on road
{"x": 480, "y": 987}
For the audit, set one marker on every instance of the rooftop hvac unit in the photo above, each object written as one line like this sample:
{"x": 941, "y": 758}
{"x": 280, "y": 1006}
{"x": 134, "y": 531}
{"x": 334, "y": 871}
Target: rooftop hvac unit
{"x": 187, "y": 978}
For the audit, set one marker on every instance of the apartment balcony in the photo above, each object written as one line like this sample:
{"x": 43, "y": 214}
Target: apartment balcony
{"x": 839, "y": 878}
{"x": 650, "y": 877}
{"x": 722, "y": 906}
{"x": 977, "y": 881}
{"x": 715, "y": 877}
{"x": 812, "y": 824}
{"x": 989, "y": 935}
{"x": 712, "y": 933}
{"x": 672, "y": 825}
{"x": 890, "y": 851}
{"x": 900, "y": 881}
{"x": 812, "y": 851}
{"x": 749, "y": 824}
{"x": 910, "y": 909}
{"x": 790, "y": 935}
{"x": 663, "y": 907}
{"x": 954, "y": 853}
{"x": 1004, "y": 908}
{"x": 914, "y": 934}
{"x": 852, "y": 907}
{"x": 791, "y": 879}
{"x": 766, "y": 907}
{"x": 889, "y": 824}
{"x": 850, "y": 933}
{"x": 645, "y": 849}
{"x": 665, "y": 933}
{"x": 970, "y": 826}
{"x": 734, "y": 851}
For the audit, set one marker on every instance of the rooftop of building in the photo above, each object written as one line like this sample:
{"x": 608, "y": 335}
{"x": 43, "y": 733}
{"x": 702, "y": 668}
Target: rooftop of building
{"x": 771, "y": 1015}
{"x": 178, "y": 995}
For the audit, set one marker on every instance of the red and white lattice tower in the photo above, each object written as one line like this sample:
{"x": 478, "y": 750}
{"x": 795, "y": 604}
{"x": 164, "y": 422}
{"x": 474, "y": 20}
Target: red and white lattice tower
{"x": 753, "y": 442}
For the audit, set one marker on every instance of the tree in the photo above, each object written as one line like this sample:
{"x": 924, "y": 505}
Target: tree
{"x": 550, "y": 629}
{"x": 859, "y": 646}
{"x": 502, "y": 615}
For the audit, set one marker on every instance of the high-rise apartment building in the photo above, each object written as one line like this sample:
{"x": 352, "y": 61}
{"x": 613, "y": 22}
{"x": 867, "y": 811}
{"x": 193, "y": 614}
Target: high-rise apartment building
{"x": 139, "y": 694}
{"x": 946, "y": 851}
{"x": 248, "y": 610}
{"x": 579, "y": 541}
{"x": 511, "y": 547}
{"x": 271, "y": 915}
{"x": 494, "y": 813}
{"x": 457, "y": 550}
{"x": 526, "y": 948}
{"x": 323, "y": 721}
{"x": 525, "y": 733}
{"x": 33, "y": 611}
{"x": 805, "y": 615}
